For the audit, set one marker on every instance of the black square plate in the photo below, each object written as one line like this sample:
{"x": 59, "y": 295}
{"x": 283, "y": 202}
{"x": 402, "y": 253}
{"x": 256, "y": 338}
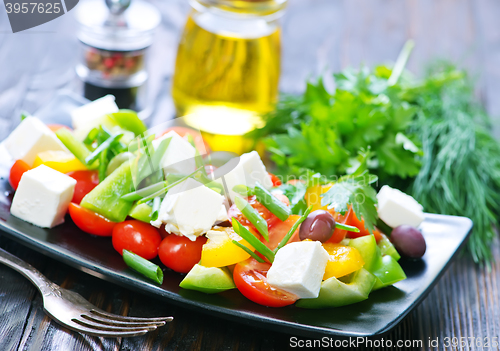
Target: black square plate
{"x": 385, "y": 308}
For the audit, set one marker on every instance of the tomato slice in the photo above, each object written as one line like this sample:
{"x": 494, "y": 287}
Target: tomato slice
{"x": 16, "y": 172}
{"x": 270, "y": 218}
{"x": 274, "y": 178}
{"x": 278, "y": 231}
{"x": 250, "y": 278}
{"x": 179, "y": 253}
{"x": 89, "y": 221}
{"x": 339, "y": 234}
{"x": 360, "y": 224}
{"x": 85, "y": 182}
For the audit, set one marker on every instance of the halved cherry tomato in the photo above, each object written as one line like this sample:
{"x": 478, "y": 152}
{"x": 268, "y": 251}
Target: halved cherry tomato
{"x": 85, "y": 182}
{"x": 16, "y": 172}
{"x": 89, "y": 221}
{"x": 278, "y": 231}
{"x": 360, "y": 224}
{"x": 274, "y": 178}
{"x": 55, "y": 127}
{"x": 179, "y": 253}
{"x": 250, "y": 278}
{"x": 199, "y": 142}
{"x": 270, "y": 218}
{"x": 141, "y": 238}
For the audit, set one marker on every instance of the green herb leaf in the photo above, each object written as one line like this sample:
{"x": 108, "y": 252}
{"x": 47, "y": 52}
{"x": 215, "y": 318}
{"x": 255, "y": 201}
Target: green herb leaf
{"x": 357, "y": 192}
{"x": 296, "y": 194}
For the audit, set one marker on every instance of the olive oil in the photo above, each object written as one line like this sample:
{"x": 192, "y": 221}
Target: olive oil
{"x": 226, "y": 75}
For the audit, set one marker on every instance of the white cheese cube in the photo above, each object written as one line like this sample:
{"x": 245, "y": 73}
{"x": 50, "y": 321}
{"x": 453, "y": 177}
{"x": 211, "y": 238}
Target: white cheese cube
{"x": 299, "y": 268}
{"x": 30, "y": 138}
{"x": 222, "y": 216}
{"x": 86, "y": 115}
{"x": 189, "y": 209}
{"x": 179, "y": 158}
{"x": 396, "y": 208}
{"x": 43, "y": 196}
{"x": 246, "y": 170}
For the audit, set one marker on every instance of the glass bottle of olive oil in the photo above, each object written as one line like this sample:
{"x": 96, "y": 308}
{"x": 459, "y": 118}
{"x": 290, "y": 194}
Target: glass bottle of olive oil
{"x": 227, "y": 69}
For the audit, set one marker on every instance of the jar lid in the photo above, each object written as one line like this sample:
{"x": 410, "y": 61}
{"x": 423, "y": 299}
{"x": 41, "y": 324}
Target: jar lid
{"x": 119, "y": 27}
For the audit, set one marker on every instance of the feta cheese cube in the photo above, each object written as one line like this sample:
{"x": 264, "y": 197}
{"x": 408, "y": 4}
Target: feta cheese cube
{"x": 43, "y": 196}
{"x": 180, "y": 155}
{"x": 86, "y": 115}
{"x": 396, "y": 208}
{"x": 189, "y": 209}
{"x": 30, "y": 138}
{"x": 246, "y": 170}
{"x": 222, "y": 216}
{"x": 92, "y": 115}
{"x": 299, "y": 268}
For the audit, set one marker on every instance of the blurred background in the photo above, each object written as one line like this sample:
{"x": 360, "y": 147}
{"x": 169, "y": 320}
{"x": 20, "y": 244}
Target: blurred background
{"x": 318, "y": 36}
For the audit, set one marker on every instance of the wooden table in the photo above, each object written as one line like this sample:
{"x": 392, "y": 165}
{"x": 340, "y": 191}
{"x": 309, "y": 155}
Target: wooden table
{"x": 317, "y": 34}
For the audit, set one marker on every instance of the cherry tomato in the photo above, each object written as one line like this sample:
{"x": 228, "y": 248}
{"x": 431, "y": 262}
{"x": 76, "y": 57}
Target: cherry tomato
{"x": 85, "y": 182}
{"x": 179, "y": 253}
{"x": 16, "y": 172}
{"x": 250, "y": 278}
{"x": 136, "y": 236}
{"x": 360, "y": 224}
{"x": 199, "y": 142}
{"x": 55, "y": 127}
{"x": 89, "y": 221}
{"x": 276, "y": 181}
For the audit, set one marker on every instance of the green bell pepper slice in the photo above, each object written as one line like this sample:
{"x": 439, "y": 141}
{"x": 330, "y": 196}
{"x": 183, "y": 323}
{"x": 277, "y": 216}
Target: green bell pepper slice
{"x": 129, "y": 120}
{"x": 386, "y": 268}
{"x": 105, "y": 198}
{"x": 367, "y": 247}
{"x": 388, "y": 272}
{"x": 335, "y": 293}
{"x": 386, "y": 248}
{"x": 141, "y": 212}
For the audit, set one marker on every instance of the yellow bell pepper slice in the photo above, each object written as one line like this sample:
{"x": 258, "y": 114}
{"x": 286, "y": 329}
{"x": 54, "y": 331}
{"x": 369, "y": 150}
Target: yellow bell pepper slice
{"x": 219, "y": 250}
{"x": 61, "y": 161}
{"x": 343, "y": 260}
{"x": 313, "y": 196}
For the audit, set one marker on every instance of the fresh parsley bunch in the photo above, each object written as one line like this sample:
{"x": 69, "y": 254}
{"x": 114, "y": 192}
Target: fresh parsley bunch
{"x": 324, "y": 132}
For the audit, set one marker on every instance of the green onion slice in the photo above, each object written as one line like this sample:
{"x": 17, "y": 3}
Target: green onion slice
{"x": 292, "y": 230}
{"x": 143, "y": 266}
{"x": 252, "y": 240}
{"x": 278, "y": 208}
{"x": 156, "y": 208}
{"x": 167, "y": 188}
{"x": 349, "y": 228}
{"x": 253, "y": 216}
{"x": 247, "y": 250}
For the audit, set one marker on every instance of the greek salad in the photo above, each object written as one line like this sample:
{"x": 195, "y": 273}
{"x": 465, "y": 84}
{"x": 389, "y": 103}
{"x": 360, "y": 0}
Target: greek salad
{"x": 224, "y": 222}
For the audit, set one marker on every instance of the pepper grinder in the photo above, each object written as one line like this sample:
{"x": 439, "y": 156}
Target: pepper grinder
{"x": 115, "y": 36}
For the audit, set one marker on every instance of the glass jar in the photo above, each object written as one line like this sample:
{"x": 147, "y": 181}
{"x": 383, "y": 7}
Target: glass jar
{"x": 227, "y": 69}
{"x": 114, "y": 41}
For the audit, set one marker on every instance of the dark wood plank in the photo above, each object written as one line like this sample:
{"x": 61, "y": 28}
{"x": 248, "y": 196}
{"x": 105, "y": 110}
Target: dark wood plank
{"x": 318, "y": 35}
{"x": 16, "y": 295}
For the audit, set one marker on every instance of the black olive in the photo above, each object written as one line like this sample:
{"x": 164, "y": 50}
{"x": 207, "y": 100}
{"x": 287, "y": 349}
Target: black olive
{"x": 318, "y": 226}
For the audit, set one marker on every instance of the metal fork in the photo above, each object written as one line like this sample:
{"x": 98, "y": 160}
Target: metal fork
{"x": 72, "y": 311}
